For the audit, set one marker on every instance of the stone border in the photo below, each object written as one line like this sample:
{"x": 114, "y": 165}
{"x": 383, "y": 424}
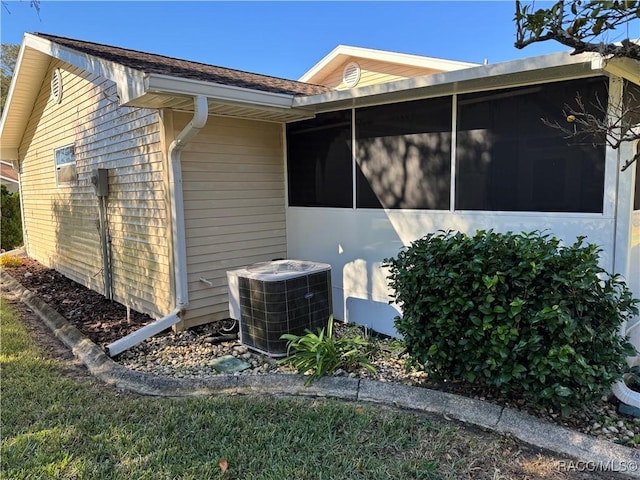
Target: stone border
{"x": 587, "y": 452}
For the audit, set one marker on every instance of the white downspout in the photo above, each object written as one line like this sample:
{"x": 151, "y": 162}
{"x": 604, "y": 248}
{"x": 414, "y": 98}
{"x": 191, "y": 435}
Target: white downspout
{"x": 196, "y": 124}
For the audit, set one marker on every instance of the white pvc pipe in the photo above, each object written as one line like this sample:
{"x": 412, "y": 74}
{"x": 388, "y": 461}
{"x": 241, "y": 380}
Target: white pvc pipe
{"x": 197, "y": 123}
{"x": 625, "y": 394}
{"x": 142, "y": 334}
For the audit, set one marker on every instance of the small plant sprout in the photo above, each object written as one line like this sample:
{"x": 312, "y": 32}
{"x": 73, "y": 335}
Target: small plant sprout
{"x": 323, "y": 354}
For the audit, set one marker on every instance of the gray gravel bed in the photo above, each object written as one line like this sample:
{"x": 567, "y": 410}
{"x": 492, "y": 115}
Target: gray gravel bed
{"x": 190, "y": 354}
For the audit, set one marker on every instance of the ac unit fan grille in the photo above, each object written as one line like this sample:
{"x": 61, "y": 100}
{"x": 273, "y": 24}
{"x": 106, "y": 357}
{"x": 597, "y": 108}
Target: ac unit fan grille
{"x": 269, "y": 309}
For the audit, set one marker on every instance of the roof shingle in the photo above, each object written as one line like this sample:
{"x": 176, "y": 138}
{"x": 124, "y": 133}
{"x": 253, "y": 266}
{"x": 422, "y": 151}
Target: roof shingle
{"x": 7, "y": 172}
{"x": 159, "y": 64}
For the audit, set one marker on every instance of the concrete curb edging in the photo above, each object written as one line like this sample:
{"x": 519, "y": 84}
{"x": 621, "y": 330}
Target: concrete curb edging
{"x": 590, "y": 451}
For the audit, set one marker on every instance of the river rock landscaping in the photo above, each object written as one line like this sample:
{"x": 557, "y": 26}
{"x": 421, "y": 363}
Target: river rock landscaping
{"x": 194, "y": 353}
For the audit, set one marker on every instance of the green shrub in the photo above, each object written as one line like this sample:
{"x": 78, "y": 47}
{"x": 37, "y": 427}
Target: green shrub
{"x": 323, "y": 353}
{"x": 10, "y": 220}
{"x": 518, "y": 312}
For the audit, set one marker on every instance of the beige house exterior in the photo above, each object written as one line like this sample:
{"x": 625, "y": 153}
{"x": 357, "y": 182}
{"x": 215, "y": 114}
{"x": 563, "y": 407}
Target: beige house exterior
{"x": 233, "y": 181}
{"x": 61, "y": 218}
{"x": 348, "y": 67}
{"x": 232, "y": 173}
{"x": 198, "y": 177}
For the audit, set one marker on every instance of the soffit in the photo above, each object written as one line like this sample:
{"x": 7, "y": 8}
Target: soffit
{"x": 20, "y": 100}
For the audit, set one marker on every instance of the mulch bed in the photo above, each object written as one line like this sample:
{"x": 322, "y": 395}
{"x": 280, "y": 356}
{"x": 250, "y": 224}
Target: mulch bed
{"x": 99, "y": 319}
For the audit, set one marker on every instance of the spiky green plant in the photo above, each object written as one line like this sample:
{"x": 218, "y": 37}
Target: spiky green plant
{"x": 323, "y": 354}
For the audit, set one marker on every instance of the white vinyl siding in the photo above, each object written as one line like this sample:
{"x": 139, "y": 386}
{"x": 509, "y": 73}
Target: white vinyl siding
{"x": 61, "y": 222}
{"x": 233, "y": 183}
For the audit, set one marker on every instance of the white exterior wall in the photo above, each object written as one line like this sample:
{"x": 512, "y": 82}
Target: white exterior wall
{"x": 354, "y": 243}
{"x": 627, "y": 228}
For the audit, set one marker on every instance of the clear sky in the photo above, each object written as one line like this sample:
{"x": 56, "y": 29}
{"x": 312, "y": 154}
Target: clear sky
{"x": 283, "y": 39}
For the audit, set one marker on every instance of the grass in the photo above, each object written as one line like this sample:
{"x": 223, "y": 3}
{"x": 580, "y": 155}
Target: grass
{"x": 56, "y": 426}
{"x": 10, "y": 261}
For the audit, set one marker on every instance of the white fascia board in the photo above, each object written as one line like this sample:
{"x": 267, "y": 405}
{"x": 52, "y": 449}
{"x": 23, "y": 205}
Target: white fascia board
{"x": 156, "y": 83}
{"x": 385, "y": 56}
{"x": 468, "y": 74}
{"x": 36, "y": 53}
{"x": 14, "y": 80}
{"x": 405, "y": 58}
{"x": 321, "y": 64}
{"x": 130, "y": 82}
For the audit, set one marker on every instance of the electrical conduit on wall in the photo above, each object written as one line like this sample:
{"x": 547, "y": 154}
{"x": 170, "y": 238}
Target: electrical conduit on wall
{"x": 196, "y": 124}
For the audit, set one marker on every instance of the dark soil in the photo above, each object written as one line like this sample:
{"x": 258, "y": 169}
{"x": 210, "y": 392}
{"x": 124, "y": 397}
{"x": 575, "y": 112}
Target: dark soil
{"x": 99, "y": 319}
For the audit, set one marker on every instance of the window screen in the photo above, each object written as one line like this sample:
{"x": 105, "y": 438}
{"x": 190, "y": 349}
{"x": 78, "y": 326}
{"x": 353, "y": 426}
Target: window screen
{"x": 319, "y": 161}
{"x": 508, "y": 159}
{"x": 404, "y": 155}
{"x": 65, "y": 165}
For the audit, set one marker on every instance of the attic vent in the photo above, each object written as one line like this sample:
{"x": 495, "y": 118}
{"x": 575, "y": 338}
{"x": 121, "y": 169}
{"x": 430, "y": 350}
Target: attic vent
{"x": 56, "y": 86}
{"x": 351, "y": 74}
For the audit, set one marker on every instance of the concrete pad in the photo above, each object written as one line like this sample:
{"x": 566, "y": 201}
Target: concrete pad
{"x": 229, "y": 364}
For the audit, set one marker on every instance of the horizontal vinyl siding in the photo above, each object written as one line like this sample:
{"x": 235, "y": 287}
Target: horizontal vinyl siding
{"x": 233, "y": 182}
{"x": 373, "y": 72}
{"x": 61, "y": 223}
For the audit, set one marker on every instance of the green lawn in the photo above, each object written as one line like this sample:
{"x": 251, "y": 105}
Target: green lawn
{"x": 55, "y": 426}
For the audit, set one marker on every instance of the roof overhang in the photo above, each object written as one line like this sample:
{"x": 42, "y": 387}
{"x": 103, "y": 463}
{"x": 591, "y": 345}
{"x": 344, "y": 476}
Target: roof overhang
{"x": 343, "y": 52}
{"x": 135, "y": 88}
{"x": 528, "y": 71}
{"x": 163, "y": 91}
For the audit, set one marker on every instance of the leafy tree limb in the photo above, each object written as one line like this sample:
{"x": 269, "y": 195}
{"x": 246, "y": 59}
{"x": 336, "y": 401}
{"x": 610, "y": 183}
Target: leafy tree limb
{"x": 585, "y": 26}
{"x": 581, "y": 25}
